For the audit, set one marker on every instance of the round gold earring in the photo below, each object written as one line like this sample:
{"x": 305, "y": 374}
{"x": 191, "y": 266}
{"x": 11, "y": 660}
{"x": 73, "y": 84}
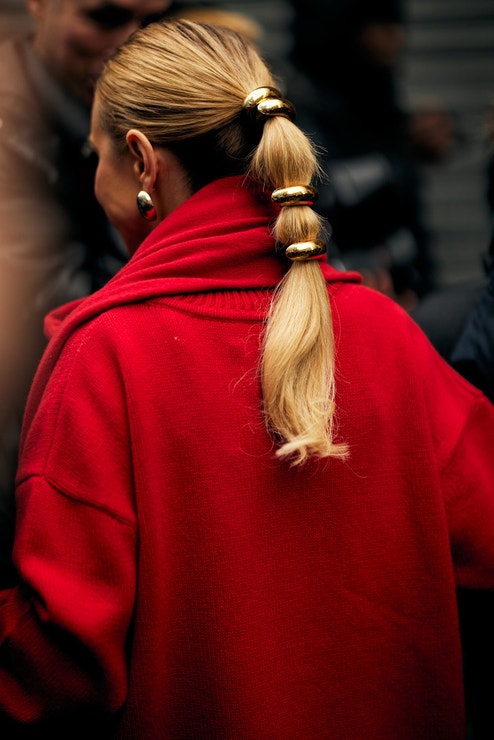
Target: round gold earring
{"x": 146, "y": 206}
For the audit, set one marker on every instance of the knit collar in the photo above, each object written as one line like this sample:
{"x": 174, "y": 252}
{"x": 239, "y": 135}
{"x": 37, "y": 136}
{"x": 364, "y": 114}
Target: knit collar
{"x": 218, "y": 239}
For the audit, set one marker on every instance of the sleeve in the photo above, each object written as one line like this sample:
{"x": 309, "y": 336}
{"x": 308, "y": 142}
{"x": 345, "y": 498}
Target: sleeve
{"x": 38, "y": 260}
{"x": 65, "y": 626}
{"x": 473, "y": 355}
{"x": 461, "y": 425}
{"x": 469, "y": 486}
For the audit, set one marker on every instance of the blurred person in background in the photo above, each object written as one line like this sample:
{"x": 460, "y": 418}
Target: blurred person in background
{"x": 55, "y": 240}
{"x": 473, "y": 353}
{"x": 459, "y": 319}
{"x": 346, "y": 57}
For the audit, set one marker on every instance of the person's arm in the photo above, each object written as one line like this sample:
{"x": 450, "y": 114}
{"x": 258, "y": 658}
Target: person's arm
{"x": 31, "y": 235}
{"x": 63, "y": 630}
{"x": 461, "y": 425}
{"x": 64, "y": 627}
{"x": 473, "y": 354}
{"x": 469, "y": 490}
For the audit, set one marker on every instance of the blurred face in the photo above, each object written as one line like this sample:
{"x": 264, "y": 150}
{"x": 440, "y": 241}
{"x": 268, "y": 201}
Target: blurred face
{"x": 75, "y": 37}
{"x": 116, "y": 186}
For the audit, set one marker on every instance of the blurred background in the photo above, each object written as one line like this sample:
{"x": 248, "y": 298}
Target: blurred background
{"x": 447, "y": 62}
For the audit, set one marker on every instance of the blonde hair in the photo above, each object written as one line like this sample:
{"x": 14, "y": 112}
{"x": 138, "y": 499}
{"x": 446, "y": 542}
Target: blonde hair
{"x": 182, "y": 82}
{"x": 242, "y": 24}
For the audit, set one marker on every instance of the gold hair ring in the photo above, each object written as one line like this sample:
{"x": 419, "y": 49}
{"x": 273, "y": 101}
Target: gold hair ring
{"x": 269, "y": 103}
{"x": 276, "y": 107}
{"x": 303, "y": 251}
{"x": 295, "y": 195}
{"x": 260, "y": 93}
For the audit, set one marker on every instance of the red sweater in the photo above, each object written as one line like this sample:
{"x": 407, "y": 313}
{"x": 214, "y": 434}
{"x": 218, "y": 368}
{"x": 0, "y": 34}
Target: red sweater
{"x": 184, "y": 581}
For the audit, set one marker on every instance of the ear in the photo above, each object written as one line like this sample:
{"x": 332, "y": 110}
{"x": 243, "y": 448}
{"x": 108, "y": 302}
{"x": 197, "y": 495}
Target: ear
{"x": 145, "y": 164}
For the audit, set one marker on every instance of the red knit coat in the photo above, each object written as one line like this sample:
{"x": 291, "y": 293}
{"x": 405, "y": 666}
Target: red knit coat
{"x": 187, "y": 583}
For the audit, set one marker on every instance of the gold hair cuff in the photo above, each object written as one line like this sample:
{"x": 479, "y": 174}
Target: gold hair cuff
{"x": 295, "y": 195}
{"x": 303, "y": 251}
{"x": 268, "y": 102}
{"x": 276, "y": 107}
{"x": 260, "y": 93}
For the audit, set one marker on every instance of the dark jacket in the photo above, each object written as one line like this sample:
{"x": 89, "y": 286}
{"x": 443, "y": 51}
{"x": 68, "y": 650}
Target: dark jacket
{"x": 55, "y": 241}
{"x": 473, "y": 355}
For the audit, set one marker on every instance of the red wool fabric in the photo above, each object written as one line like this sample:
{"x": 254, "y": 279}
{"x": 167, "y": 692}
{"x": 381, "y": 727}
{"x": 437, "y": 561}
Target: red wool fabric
{"x": 178, "y": 577}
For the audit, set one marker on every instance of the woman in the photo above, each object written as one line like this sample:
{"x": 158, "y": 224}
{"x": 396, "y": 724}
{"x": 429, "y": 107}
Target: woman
{"x": 248, "y": 486}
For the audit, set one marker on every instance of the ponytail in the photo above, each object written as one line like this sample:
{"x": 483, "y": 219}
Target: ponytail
{"x": 196, "y": 107}
{"x": 297, "y": 366}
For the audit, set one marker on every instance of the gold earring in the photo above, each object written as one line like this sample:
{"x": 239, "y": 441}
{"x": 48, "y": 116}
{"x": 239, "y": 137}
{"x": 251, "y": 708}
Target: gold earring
{"x": 146, "y": 206}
